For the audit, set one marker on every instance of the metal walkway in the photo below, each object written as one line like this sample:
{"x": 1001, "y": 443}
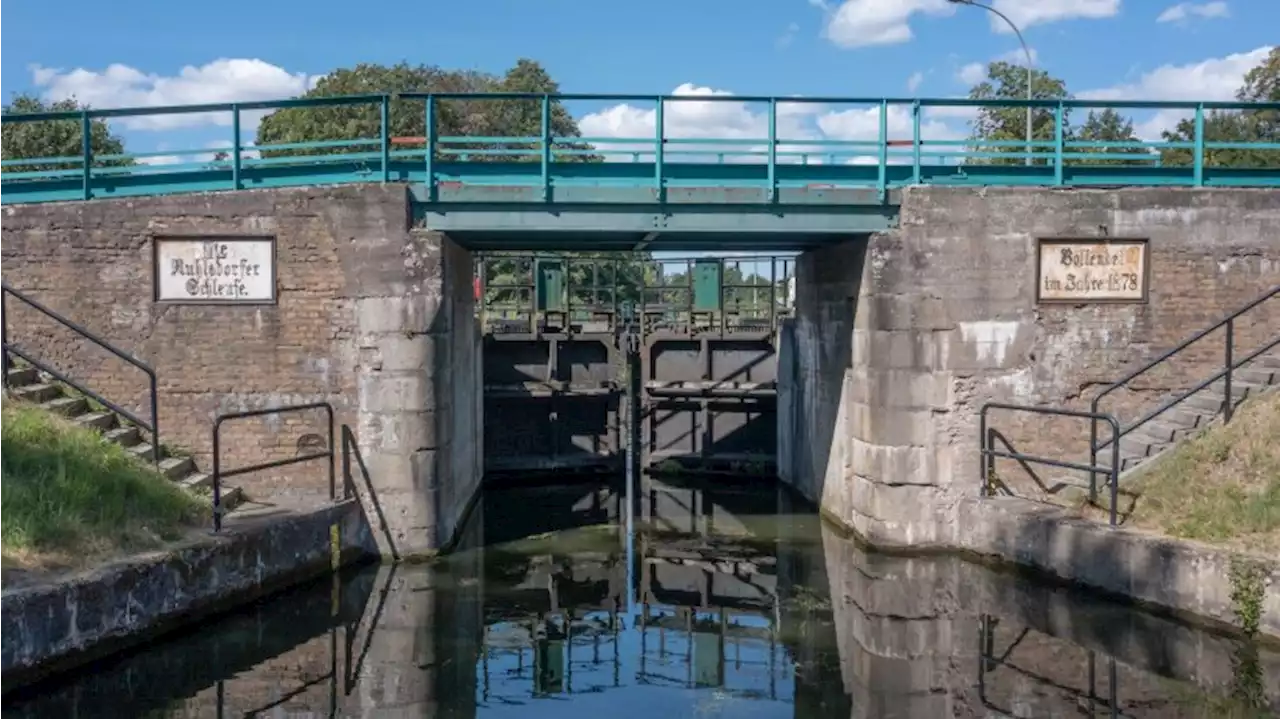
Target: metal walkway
{"x": 501, "y": 189}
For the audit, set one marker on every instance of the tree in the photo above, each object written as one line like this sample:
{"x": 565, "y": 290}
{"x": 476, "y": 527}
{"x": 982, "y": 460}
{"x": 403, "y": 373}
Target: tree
{"x": 56, "y": 138}
{"x": 1006, "y": 81}
{"x": 454, "y": 117}
{"x": 1261, "y": 84}
{"x": 1111, "y": 127}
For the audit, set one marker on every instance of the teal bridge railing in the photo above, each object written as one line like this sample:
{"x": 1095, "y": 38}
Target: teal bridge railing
{"x": 655, "y": 169}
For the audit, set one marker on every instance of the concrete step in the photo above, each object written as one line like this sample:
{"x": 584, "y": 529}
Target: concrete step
{"x": 1263, "y": 376}
{"x": 1163, "y": 431}
{"x": 23, "y": 376}
{"x": 67, "y": 406}
{"x": 40, "y": 392}
{"x": 1268, "y": 360}
{"x": 1136, "y": 444}
{"x": 177, "y": 467}
{"x": 142, "y": 450}
{"x": 196, "y": 480}
{"x": 123, "y": 436}
{"x": 101, "y": 421}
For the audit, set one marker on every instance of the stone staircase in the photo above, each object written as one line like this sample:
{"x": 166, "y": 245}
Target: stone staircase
{"x": 26, "y": 383}
{"x": 1194, "y": 414}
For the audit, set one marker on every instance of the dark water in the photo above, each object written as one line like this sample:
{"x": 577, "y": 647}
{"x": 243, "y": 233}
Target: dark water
{"x": 721, "y": 601}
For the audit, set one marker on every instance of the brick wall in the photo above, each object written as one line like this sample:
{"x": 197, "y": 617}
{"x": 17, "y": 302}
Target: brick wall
{"x": 893, "y": 362}
{"x": 92, "y": 263}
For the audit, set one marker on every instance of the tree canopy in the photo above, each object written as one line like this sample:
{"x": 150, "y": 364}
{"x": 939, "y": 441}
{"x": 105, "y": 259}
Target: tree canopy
{"x": 454, "y": 117}
{"x": 1008, "y": 81}
{"x": 55, "y": 138}
{"x": 1261, "y": 84}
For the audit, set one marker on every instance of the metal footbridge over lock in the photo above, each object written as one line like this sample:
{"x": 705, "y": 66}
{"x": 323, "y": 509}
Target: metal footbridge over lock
{"x": 666, "y": 191}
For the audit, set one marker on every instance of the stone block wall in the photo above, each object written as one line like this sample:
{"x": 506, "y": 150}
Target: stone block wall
{"x": 371, "y": 317}
{"x": 899, "y": 339}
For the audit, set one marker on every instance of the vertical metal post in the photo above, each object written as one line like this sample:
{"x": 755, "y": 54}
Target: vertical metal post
{"x": 1059, "y": 141}
{"x": 773, "y": 150}
{"x": 4, "y": 338}
{"x": 883, "y": 174}
{"x": 384, "y": 137}
{"x": 86, "y": 152}
{"x": 346, "y": 462}
{"x": 155, "y": 420}
{"x": 431, "y": 148}
{"x": 235, "y": 147}
{"x": 983, "y": 457}
{"x": 915, "y": 142}
{"x": 1231, "y": 336}
{"x": 217, "y": 479}
{"x": 1093, "y": 455}
{"x": 659, "y": 152}
{"x": 333, "y": 483}
{"x": 1115, "y": 467}
{"x": 546, "y": 148}
{"x": 1197, "y": 167}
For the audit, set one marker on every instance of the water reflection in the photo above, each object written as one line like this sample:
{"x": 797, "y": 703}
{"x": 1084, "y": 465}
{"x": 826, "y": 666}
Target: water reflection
{"x": 725, "y": 601}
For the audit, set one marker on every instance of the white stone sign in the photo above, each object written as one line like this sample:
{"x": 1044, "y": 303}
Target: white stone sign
{"x": 215, "y": 269}
{"x": 1088, "y": 270}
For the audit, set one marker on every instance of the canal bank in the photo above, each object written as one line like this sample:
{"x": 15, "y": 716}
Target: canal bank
{"x": 62, "y": 622}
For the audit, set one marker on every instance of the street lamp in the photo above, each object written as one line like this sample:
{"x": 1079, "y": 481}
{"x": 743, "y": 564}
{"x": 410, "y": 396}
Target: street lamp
{"x": 1025, "y": 50}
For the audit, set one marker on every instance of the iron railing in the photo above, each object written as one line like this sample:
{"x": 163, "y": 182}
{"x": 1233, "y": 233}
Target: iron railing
{"x": 350, "y": 451}
{"x": 546, "y": 162}
{"x": 1230, "y": 364}
{"x": 151, "y": 426}
{"x": 219, "y": 474}
{"x": 988, "y": 454}
{"x": 988, "y": 662}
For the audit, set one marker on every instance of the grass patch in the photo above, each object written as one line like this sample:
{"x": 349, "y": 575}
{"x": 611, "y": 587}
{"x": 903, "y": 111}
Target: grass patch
{"x": 1222, "y": 487}
{"x": 70, "y": 498}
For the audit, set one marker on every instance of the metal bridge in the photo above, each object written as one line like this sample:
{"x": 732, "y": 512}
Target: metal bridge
{"x": 586, "y": 355}
{"x": 773, "y": 191}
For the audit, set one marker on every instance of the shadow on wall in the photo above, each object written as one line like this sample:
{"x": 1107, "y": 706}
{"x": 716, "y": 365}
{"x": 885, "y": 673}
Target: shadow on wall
{"x": 815, "y": 431}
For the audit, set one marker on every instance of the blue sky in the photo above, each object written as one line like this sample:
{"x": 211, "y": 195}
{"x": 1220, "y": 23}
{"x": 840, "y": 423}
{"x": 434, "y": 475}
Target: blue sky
{"x": 162, "y": 52}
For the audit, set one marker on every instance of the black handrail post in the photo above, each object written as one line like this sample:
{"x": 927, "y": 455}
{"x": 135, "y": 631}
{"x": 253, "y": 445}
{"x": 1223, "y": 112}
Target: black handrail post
{"x": 1115, "y": 465}
{"x": 1226, "y": 408}
{"x": 346, "y": 462}
{"x": 982, "y": 451}
{"x": 1093, "y": 453}
{"x": 155, "y": 419}
{"x": 4, "y": 336}
{"x": 333, "y": 487}
{"x": 217, "y": 478}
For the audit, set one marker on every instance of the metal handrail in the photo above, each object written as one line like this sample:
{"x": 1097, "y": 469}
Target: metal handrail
{"x": 1230, "y": 364}
{"x": 6, "y": 347}
{"x": 218, "y": 474}
{"x": 987, "y": 455}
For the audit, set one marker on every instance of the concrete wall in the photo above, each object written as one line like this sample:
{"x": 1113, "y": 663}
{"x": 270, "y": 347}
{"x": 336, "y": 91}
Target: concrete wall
{"x": 371, "y": 317}
{"x": 900, "y": 339}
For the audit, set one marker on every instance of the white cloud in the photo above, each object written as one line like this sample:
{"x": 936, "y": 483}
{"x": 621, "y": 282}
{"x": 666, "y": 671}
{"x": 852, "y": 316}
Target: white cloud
{"x": 1185, "y": 10}
{"x": 799, "y": 126}
{"x": 1212, "y": 79}
{"x": 788, "y": 35}
{"x": 857, "y": 23}
{"x": 972, "y": 73}
{"x": 223, "y": 80}
{"x": 1026, "y": 13}
{"x": 913, "y": 82}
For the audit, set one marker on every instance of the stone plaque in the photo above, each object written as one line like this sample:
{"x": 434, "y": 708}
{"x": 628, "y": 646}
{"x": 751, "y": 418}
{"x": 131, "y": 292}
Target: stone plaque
{"x": 1092, "y": 270}
{"x": 215, "y": 270}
